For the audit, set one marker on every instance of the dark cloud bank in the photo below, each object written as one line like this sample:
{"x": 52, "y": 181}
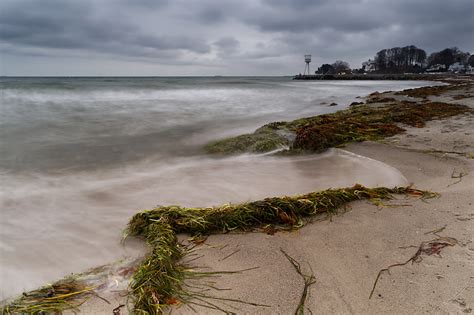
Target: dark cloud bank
{"x": 164, "y": 37}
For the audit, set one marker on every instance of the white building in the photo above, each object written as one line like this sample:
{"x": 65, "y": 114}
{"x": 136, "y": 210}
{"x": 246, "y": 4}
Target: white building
{"x": 369, "y": 66}
{"x": 457, "y": 67}
{"x": 436, "y": 68}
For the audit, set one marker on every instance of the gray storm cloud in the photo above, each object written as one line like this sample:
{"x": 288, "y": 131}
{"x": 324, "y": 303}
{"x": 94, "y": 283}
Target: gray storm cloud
{"x": 220, "y": 37}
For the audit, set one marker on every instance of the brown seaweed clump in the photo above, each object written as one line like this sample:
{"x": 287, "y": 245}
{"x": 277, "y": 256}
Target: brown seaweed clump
{"x": 363, "y": 123}
{"x": 426, "y": 91}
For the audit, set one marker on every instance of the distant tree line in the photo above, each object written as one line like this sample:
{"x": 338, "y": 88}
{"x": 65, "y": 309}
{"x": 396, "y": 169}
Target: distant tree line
{"x": 400, "y": 59}
{"x": 408, "y": 59}
{"x": 414, "y": 59}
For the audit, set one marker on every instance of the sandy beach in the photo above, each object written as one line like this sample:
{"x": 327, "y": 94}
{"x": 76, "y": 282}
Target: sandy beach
{"x": 346, "y": 252}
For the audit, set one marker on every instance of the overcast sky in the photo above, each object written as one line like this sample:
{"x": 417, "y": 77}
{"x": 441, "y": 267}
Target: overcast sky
{"x": 218, "y": 37}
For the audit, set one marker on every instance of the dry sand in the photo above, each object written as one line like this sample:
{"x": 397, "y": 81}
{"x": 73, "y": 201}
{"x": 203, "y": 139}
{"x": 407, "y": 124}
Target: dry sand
{"x": 346, "y": 253}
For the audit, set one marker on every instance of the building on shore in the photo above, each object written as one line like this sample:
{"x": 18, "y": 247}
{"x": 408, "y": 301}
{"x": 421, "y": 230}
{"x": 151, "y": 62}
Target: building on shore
{"x": 436, "y": 68}
{"x": 369, "y": 66}
{"x": 458, "y": 67}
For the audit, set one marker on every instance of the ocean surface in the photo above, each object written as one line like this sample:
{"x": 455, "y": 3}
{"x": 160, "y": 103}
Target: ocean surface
{"x": 79, "y": 156}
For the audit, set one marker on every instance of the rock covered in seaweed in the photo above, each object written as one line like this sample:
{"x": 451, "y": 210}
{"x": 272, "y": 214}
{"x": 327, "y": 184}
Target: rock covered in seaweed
{"x": 268, "y": 138}
{"x": 355, "y": 124}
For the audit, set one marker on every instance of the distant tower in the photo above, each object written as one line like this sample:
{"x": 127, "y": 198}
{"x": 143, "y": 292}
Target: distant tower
{"x": 307, "y": 59}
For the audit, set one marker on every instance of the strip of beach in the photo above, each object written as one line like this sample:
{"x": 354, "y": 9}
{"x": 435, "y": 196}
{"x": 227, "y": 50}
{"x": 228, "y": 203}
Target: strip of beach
{"x": 408, "y": 254}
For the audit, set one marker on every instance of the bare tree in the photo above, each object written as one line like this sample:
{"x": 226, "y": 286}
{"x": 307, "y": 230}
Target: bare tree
{"x": 341, "y": 67}
{"x": 326, "y": 69}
